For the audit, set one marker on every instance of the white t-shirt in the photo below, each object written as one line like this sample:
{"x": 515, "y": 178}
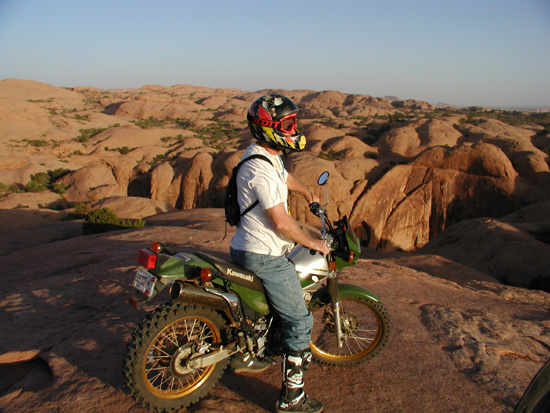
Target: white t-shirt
{"x": 258, "y": 180}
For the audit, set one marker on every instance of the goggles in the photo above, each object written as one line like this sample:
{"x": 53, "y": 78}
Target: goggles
{"x": 287, "y": 124}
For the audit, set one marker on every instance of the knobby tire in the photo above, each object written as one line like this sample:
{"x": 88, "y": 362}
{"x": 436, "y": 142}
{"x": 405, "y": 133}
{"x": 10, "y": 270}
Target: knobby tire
{"x": 366, "y": 325}
{"x": 154, "y": 362}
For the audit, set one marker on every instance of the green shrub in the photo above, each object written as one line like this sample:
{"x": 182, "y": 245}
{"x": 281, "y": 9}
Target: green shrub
{"x": 123, "y": 151}
{"x": 7, "y": 190}
{"x": 60, "y": 188}
{"x": 80, "y": 210}
{"x": 3, "y": 190}
{"x": 105, "y": 219}
{"x": 43, "y": 181}
{"x": 331, "y": 155}
{"x": 87, "y": 134}
{"x": 151, "y": 122}
{"x": 216, "y": 134}
{"x": 35, "y": 186}
{"x": 36, "y": 142}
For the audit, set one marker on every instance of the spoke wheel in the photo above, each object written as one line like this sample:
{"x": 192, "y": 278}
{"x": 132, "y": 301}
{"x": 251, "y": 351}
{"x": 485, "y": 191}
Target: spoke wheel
{"x": 157, "y": 366}
{"x": 365, "y": 327}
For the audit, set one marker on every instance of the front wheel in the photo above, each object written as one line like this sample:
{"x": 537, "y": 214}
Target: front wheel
{"x": 365, "y": 326}
{"x": 156, "y": 368}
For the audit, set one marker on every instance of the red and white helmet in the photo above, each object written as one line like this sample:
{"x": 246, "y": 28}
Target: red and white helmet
{"x": 273, "y": 119}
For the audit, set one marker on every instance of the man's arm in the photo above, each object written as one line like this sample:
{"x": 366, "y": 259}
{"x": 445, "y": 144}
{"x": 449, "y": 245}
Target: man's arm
{"x": 295, "y": 186}
{"x": 288, "y": 226}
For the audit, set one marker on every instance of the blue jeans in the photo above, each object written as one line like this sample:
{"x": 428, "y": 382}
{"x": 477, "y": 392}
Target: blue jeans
{"x": 283, "y": 288}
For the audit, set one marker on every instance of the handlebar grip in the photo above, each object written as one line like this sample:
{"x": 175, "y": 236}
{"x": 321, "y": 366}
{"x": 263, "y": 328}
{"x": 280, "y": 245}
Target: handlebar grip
{"x": 314, "y": 208}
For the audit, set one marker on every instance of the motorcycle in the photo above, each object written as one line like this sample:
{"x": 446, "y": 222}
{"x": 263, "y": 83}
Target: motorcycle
{"x": 218, "y": 309}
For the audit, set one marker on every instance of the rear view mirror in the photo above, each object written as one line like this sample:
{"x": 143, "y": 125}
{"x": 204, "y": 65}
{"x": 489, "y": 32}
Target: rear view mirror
{"x": 323, "y": 178}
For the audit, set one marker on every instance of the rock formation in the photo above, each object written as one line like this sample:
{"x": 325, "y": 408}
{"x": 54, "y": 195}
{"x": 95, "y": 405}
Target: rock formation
{"x": 401, "y": 170}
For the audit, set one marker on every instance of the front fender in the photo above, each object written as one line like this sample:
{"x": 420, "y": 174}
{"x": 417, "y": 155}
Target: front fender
{"x": 322, "y": 296}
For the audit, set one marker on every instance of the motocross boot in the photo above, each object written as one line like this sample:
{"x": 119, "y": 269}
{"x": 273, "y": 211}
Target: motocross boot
{"x": 246, "y": 362}
{"x": 293, "y": 398}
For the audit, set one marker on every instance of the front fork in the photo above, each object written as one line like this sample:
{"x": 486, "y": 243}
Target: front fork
{"x": 332, "y": 284}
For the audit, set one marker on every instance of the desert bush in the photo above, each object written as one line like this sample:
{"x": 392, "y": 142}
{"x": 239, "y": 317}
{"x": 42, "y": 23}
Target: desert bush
{"x": 105, "y": 219}
{"x": 40, "y": 100}
{"x": 6, "y": 190}
{"x": 376, "y": 130}
{"x": 37, "y": 143}
{"x": 3, "y": 190}
{"x": 178, "y": 139}
{"x": 43, "y": 181}
{"x": 59, "y": 188}
{"x": 35, "y": 186}
{"x": 159, "y": 158}
{"x": 183, "y": 123}
{"x": 123, "y": 151}
{"x": 87, "y": 134}
{"x": 81, "y": 208}
{"x": 332, "y": 155}
{"x": 151, "y": 122}
{"x": 472, "y": 121}
{"x": 216, "y": 134}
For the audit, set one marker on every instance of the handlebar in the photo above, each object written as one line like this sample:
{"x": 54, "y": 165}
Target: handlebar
{"x": 314, "y": 207}
{"x": 319, "y": 211}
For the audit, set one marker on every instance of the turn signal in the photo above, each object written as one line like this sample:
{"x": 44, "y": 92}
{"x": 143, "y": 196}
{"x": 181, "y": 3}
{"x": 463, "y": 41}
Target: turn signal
{"x": 351, "y": 257}
{"x": 156, "y": 247}
{"x": 206, "y": 275}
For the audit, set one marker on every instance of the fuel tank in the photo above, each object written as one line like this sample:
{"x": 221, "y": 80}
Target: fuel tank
{"x": 311, "y": 266}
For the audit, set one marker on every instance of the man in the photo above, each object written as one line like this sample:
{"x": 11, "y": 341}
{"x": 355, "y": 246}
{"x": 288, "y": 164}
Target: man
{"x": 267, "y": 232}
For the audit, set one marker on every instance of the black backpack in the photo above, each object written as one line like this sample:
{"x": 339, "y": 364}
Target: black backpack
{"x": 232, "y": 209}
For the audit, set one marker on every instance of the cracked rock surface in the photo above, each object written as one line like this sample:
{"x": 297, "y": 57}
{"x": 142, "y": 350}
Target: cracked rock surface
{"x": 460, "y": 340}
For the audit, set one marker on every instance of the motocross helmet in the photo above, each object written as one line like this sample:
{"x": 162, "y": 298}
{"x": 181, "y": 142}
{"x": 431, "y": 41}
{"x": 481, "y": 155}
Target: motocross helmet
{"x": 273, "y": 119}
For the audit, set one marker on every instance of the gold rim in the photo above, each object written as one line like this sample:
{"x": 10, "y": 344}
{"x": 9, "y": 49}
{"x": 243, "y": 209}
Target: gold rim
{"x": 362, "y": 329}
{"x": 164, "y": 370}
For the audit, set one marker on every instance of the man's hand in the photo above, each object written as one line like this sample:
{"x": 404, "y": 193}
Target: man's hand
{"x": 295, "y": 186}
{"x": 290, "y": 228}
{"x": 321, "y": 246}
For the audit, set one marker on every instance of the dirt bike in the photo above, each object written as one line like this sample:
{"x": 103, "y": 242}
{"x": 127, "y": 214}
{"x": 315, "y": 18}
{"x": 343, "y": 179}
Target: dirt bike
{"x": 218, "y": 309}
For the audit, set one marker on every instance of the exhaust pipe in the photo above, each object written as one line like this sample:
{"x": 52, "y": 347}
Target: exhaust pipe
{"x": 226, "y": 302}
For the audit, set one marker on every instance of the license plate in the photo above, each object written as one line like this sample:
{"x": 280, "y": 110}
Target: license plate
{"x": 145, "y": 282}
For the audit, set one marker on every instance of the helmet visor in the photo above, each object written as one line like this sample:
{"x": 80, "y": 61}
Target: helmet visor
{"x": 288, "y": 124}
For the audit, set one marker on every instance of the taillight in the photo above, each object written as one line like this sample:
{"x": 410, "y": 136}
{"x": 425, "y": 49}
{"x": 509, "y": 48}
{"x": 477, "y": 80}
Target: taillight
{"x": 147, "y": 259}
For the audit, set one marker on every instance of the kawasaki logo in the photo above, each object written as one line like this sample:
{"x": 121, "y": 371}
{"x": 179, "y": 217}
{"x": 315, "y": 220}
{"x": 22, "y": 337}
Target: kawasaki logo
{"x": 240, "y": 275}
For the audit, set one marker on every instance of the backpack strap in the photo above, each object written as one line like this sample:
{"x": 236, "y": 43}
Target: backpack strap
{"x": 255, "y": 156}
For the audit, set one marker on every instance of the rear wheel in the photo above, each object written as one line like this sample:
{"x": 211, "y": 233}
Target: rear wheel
{"x": 156, "y": 363}
{"x": 365, "y": 326}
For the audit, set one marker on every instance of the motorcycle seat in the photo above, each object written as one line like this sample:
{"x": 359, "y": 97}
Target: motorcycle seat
{"x": 234, "y": 272}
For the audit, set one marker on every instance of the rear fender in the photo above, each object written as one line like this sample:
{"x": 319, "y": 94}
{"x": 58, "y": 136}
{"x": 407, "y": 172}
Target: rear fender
{"x": 322, "y": 296}
{"x": 171, "y": 268}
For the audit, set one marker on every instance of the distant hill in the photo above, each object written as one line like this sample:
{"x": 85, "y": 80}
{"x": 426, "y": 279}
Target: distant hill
{"x": 403, "y": 171}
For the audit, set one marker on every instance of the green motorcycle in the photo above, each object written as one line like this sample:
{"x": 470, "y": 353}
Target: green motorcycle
{"x": 218, "y": 309}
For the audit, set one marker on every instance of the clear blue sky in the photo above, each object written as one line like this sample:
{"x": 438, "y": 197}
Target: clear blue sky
{"x": 464, "y": 52}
